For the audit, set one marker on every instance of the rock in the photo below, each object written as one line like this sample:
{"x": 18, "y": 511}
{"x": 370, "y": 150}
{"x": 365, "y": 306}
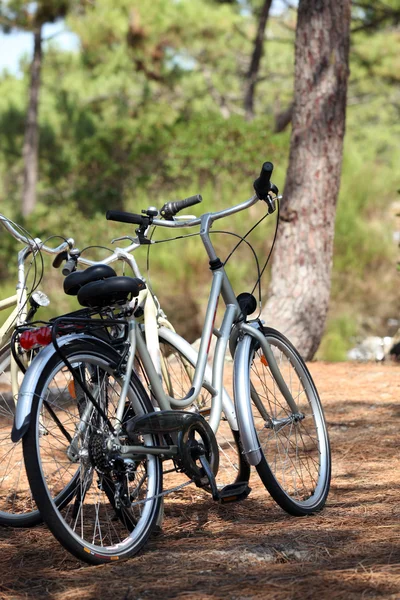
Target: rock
{"x": 372, "y": 348}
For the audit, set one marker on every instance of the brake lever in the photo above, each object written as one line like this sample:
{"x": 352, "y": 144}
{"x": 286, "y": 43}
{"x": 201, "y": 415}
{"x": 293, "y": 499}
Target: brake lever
{"x": 270, "y": 202}
{"x": 124, "y": 237}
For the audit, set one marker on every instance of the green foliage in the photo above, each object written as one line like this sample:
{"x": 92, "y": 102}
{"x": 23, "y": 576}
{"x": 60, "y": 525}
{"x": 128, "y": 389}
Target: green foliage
{"x": 338, "y": 339}
{"x": 333, "y": 347}
{"x": 151, "y": 109}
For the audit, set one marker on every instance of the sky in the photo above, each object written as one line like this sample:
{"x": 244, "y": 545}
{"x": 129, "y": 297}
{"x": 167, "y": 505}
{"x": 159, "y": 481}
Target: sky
{"x": 16, "y": 45}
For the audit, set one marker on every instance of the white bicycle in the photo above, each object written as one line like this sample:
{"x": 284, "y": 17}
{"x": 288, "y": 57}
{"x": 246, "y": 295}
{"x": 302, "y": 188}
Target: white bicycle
{"x": 17, "y": 508}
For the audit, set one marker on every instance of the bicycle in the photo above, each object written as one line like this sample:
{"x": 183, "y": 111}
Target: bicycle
{"x": 113, "y": 435}
{"x": 16, "y": 504}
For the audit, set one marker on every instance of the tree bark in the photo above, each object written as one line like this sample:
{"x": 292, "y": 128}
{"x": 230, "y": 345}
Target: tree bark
{"x": 31, "y": 139}
{"x": 301, "y": 270}
{"x": 252, "y": 73}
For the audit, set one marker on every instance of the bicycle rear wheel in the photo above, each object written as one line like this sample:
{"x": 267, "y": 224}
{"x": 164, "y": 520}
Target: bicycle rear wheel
{"x": 296, "y": 461}
{"x": 112, "y": 505}
{"x": 17, "y": 506}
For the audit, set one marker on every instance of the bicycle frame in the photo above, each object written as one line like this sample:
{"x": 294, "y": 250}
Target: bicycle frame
{"x": 232, "y": 329}
{"x": 5, "y": 328}
{"x": 19, "y": 300}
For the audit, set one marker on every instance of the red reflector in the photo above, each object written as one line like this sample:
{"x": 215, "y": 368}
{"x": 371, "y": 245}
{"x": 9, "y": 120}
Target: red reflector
{"x": 27, "y": 340}
{"x": 35, "y": 337}
{"x": 43, "y": 336}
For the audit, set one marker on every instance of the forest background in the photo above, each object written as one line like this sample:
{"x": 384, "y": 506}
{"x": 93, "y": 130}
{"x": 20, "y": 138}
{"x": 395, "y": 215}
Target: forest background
{"x": 151, "y": 107}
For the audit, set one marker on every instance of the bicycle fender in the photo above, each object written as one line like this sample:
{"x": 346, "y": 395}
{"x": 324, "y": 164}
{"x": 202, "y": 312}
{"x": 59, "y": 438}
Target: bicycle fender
{"x": 241, "y": 387}
{"x": 27, "y": 391}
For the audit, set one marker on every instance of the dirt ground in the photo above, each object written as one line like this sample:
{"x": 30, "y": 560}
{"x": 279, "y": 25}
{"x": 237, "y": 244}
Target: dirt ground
{"x": 253, "y": 549}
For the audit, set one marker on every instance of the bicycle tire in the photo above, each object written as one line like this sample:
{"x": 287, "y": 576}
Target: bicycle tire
{"x": 295, "y": 466}
{"x": 98, "y": 537}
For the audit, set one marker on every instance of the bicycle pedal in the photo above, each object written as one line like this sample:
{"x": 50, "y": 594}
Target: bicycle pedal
{"x": 162, "y": 421}
{"x": 234, "y": 492}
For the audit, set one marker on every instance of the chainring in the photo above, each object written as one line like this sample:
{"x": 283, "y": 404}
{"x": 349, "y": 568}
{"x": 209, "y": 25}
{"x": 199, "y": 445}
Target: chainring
{"x": 197, "y": 439}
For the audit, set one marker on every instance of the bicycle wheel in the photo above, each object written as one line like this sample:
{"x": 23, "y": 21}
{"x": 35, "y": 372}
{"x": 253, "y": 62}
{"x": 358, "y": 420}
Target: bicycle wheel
{"x": 17, "y": 507}
{"x": 296, "y": 461}
{"x": 178, "y": 372}
{"x": 112, "y": 504}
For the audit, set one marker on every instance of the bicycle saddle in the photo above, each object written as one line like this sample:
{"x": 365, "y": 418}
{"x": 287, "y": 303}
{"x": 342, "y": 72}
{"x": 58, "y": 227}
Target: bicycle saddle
{"x": 76, "y": 280}
{"x": 111, "y": 291}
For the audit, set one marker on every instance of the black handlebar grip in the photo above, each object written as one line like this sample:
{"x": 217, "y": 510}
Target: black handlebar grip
{"x": 125, "y": 217}
{"x": 262, "y": 184}
{"x": 59, "y": 259}
{"x": 69, "y": 267}
{"x": 191, "y": 201}
{"x": 171, "y": 209}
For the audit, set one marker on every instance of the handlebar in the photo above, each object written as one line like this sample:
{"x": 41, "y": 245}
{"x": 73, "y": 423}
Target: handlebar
{"x": 35, "y": 244}
{"x": 262, "y": 186}
{"x": 62, "y": 254}
{"x": 221, "y": 214}
{"x": 193, "y": 221}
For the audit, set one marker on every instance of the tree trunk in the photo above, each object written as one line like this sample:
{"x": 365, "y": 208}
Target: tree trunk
{"x": 301, "y": 270}
{"x": 252, "y": 73}
{"x": 31, "y": 139}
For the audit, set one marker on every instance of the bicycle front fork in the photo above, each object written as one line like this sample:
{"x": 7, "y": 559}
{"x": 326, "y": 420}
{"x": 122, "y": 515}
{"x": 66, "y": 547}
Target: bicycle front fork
{"x": 244, "y": 392}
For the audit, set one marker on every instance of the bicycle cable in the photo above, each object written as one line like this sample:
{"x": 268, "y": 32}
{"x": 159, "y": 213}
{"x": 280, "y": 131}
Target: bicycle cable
{"x": 258, "y": 282}
{"x": 241, "y": 240}
{"x": 148, "y": 258}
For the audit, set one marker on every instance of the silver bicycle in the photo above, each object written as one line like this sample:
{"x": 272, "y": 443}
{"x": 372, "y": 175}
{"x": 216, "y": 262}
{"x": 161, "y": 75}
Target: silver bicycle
{"x": 83, "y": 411}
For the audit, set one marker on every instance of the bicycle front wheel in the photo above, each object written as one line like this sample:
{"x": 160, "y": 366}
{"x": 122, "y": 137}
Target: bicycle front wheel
{"x": 17, "y": 507}
{"x": 296, "y": 461}
{"x": 109, "y": 505}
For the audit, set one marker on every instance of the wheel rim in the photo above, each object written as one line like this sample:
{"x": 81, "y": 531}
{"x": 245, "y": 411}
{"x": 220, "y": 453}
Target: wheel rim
{"x": 295, "y": 448}
{"x": 87, "y": 512}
